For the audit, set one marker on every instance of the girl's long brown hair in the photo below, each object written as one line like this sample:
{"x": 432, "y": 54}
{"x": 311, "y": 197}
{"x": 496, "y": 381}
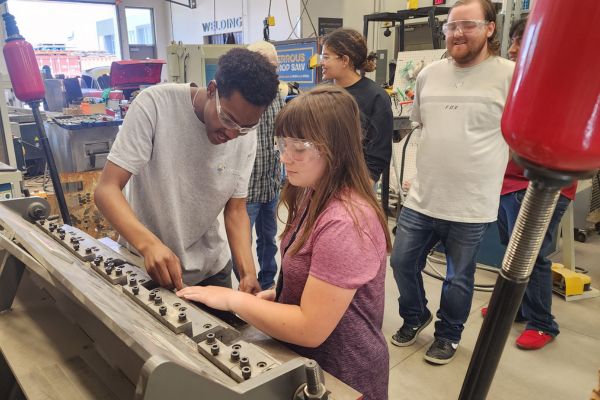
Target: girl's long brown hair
{"x": 328, "y": 116}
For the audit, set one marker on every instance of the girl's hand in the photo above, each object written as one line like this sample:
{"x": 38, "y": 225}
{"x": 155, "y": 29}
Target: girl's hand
{"x": 213, "y": 296}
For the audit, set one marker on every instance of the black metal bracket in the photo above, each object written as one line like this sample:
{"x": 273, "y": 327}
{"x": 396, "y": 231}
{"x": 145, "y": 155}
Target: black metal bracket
{"x": 401, "y": 16}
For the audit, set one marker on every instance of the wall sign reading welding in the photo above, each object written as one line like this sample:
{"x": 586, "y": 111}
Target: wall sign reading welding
{"x": 223, "y": 25}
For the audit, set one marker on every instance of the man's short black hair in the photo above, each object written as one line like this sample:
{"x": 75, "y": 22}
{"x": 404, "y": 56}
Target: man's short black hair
{"x": 248, "y": 72}
{"x": 517, "y": 29}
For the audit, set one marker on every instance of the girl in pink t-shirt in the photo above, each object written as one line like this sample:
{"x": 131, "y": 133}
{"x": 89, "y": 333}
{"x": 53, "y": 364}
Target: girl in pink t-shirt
{"x": 330, "y": 295}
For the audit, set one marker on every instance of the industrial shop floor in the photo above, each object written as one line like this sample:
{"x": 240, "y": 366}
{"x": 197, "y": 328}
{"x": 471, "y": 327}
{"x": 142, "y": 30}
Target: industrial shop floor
{"x": 566, "y": 369}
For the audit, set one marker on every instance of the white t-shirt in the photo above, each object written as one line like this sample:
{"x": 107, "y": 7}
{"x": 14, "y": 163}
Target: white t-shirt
{"x": 181, "y": 181}
{"x": 462, "y": 155}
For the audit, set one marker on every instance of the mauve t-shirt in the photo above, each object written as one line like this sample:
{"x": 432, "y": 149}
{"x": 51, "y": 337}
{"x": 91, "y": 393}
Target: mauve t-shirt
{"x": 343, "y": 255}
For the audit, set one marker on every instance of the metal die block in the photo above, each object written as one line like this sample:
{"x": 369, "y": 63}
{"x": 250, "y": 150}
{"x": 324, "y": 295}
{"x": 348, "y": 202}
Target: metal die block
{"x": 152, "y": 301}
{"x": 118, "y": 275}
{"x": 202, "y": 322}
{"x": 241, "y": 360}
{"x": 83, "y": 248}
{"x": 44, "y": 225}
{"x": 220, "y": 332}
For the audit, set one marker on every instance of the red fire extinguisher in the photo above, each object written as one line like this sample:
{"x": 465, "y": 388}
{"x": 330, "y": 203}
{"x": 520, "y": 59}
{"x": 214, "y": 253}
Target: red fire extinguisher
{"x": 21, "y": 64}
{"x": 28, "y": 87}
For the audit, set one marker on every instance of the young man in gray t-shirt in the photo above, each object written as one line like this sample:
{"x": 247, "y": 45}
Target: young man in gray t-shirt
{"x": 177, "y": 155}
{"x": 461, "y": 160}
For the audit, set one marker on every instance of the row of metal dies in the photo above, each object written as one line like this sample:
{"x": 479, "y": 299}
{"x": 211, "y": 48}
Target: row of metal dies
{"x": 84, "y": 249}
{"x": 240, "y": 360}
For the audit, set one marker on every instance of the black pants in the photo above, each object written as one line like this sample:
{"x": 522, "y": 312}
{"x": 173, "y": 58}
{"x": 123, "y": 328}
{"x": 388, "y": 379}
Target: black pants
{"x": 221, "y": 278}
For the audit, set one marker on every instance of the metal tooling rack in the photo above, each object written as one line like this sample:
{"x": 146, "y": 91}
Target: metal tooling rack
{"x": 401, "y": 16}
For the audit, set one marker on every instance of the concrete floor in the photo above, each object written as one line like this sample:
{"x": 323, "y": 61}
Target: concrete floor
{"x": 566, "y": 368}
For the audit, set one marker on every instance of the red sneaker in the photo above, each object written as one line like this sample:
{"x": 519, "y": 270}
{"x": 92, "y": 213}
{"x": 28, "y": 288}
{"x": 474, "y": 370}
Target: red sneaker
{"x": 531, "y": 339}
{"x": 484, "y": 312}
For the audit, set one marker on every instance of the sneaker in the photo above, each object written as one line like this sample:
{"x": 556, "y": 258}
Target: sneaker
{"x": 518, "y": 317}
{"x": 531, "y": 339}
{"x": 441, "y": 352}
{"x": 407, "y": 335}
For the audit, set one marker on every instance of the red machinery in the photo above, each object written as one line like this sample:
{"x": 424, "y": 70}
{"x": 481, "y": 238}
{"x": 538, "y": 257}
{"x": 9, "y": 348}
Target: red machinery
{"x": 552, "y": 122}
{"x": 28, "y": 86}
{"x": 552, "y": 114}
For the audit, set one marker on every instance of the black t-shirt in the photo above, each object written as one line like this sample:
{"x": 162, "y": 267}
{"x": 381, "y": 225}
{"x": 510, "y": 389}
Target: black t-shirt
{"x": 377, "y": 123}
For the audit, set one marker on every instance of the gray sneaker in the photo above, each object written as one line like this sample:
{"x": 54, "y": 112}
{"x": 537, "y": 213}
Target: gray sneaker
{"x": 407, "y": 335}
{"x": 441, "y": 352}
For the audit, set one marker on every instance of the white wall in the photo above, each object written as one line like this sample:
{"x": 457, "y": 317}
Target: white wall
{"x": 282, "y": 30}
{"x": 187, "y": 24}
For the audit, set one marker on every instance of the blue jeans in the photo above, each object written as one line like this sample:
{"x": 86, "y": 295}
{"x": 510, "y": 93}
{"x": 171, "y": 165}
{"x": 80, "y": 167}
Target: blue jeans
{"x": 536, "y": 306}
{"x": 263, "y": 218}
{"x": 416, "y": 235}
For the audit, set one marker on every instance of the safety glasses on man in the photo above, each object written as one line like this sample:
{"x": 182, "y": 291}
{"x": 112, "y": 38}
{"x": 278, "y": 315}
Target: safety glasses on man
{"x": 465, "y": 26}
{"x": 297, "y": 149}
{"x": 228, "y": 122}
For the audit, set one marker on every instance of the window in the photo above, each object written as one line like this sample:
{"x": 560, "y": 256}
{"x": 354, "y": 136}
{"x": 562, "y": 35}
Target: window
{"x": 69, "y": 38}
{"x": 140, "y": 26}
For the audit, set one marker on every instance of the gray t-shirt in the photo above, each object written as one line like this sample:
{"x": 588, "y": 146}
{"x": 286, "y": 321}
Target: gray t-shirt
{"x": 181, "y": 181}
{"x": 462, "y": 155}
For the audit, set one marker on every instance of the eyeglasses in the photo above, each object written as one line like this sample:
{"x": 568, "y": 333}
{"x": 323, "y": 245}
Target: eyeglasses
{"x": 465, "y": 26}
{"x": 228, "y": 122}
{"x": 297, "y": 149}
{"x": 326, "y": 58}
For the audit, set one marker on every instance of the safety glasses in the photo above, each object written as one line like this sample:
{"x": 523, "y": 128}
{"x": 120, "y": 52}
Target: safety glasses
{"x": 228, "y": 122}
{"x": 465, "y": 26}
{"x": 297, "y": 149}
{"x": 325, "y": 58}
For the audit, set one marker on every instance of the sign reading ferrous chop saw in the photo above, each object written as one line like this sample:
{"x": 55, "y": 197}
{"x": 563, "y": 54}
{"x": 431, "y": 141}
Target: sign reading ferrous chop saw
{"x": 293, "y": 63}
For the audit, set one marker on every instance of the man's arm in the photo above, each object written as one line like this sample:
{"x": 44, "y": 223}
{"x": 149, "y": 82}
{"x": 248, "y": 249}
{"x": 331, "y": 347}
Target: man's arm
{"x": 161, "y": 263}
{"x": 237, "y": 226}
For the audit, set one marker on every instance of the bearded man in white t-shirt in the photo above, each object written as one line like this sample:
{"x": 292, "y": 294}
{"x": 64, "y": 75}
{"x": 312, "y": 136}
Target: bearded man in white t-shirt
{"x": 186, "y": 154}
{"x": 460, "y": 164}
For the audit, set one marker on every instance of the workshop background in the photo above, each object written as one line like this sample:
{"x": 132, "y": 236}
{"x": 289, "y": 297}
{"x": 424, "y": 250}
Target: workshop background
{"x": 95, "y": 56}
